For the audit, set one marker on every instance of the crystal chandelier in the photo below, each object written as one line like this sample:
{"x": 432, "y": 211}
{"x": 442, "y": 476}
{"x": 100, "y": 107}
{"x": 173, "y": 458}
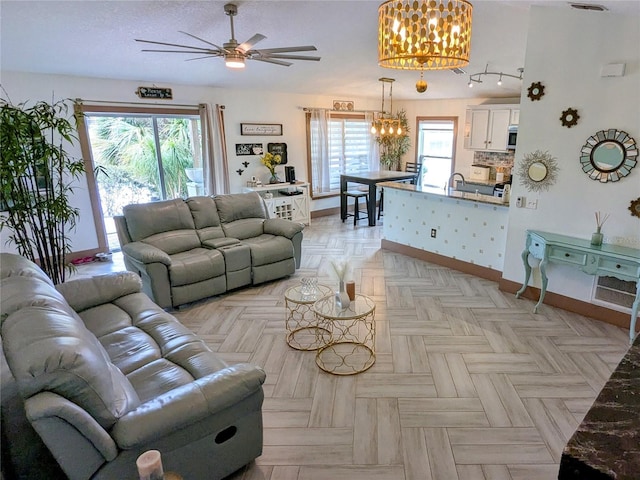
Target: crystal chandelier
{"x": 385, "y": 124}
{"x": 424, "y": 35}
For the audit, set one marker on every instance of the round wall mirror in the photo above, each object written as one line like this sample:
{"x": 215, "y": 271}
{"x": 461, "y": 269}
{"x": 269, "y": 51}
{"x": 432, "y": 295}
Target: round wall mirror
{"x": 537, "y": 171}
{"x": 609, "y": 155}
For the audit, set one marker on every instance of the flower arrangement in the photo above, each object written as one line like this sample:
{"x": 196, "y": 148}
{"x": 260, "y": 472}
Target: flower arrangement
{"x": 340, "y": 268}
{"x": 271, "y": 161}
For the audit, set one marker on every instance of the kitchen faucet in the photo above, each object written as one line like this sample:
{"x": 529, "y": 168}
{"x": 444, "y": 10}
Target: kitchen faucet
{"x": 448, "y": 185}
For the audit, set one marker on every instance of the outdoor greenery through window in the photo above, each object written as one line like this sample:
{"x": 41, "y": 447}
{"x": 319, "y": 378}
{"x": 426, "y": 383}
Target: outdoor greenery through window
{"x": 339, "y": 143}
{"x": 436, "y": 149}
{"x": 140, "y": 158}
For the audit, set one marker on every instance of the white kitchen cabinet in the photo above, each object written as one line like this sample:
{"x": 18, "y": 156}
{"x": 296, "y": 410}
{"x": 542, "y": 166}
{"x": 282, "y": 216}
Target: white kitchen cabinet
{"x": 487, "y": 128}
{"x": 281, "y": 205}
{"x": 515, "y": 117}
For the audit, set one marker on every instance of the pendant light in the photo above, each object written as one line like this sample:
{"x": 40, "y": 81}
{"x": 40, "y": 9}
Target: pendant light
{"x": 385, "y": 124}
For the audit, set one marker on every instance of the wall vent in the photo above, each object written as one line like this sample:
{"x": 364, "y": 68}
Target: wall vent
{"x": 589, "y": 6}
{"x": 613, "y": 292}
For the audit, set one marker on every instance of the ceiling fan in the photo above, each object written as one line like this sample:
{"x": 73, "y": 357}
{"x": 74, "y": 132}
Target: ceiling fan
{"x": 235, "y": 53}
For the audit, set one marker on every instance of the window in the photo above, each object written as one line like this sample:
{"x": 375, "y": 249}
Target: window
{"x": 338, "y": 143}
{"x": 436, "y": 149}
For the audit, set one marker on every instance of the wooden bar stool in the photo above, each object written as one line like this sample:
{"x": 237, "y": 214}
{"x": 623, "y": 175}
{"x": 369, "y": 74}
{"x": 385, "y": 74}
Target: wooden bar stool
{"x": 357, "y": 195}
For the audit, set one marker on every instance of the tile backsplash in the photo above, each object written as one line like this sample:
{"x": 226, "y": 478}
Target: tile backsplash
{"x": 494, "y": 159}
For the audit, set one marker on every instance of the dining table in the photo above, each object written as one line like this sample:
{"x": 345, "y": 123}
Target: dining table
{"x": 370, "y": 178}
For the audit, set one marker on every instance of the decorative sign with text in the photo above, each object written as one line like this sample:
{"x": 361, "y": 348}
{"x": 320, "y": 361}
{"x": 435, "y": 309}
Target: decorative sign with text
{"x": 155, "y": 92}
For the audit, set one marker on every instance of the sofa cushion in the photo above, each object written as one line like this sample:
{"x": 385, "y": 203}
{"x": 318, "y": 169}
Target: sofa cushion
{"x": 50, "y": 350}
{"x": 236, "y": 206}
{"x": 147, "y": 219}
{"x": 175, "y": 241}
{"x": 266, "y": 249}
{"x": 244, "y": 228}
{"x": 205, "y": 217}
{"x": 195, "y": 266}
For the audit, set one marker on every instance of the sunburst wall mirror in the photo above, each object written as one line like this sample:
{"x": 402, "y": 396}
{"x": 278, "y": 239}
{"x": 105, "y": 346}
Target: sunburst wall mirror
{"x": 537, "y": 171}
{"x": 609, "y": 155}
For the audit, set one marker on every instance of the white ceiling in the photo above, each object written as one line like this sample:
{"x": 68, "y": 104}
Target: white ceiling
{"x": 95, "y": 38}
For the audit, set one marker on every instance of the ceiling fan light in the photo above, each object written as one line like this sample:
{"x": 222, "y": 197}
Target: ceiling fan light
{"x": 234, "y": 60}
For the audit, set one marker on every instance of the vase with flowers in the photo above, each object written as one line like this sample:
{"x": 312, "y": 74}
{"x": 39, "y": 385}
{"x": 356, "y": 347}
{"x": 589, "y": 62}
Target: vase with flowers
{"x": 340, "y": 268}
{"x": 271, "y": 161}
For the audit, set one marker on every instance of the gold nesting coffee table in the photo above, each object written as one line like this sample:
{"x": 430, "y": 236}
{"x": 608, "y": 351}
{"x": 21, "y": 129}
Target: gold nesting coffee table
{"x": 351, "y": 348}
{"x": 303, "y": 332}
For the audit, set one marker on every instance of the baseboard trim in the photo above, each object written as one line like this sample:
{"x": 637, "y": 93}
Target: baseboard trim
{"x": 586, "y": 309}
{"x": 466, "y": 267}
{"x": 326, "y": 212}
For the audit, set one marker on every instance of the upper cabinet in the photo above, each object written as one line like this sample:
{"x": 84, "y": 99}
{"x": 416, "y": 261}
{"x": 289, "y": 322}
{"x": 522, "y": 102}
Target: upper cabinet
{"x": 487, "y": 126}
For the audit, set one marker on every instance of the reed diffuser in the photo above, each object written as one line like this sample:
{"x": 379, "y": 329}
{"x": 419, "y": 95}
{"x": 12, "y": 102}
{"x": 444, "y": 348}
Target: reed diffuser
{"x": 596, "y": 238}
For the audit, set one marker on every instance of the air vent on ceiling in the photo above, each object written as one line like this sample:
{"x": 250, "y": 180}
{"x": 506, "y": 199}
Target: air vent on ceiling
{"x": 589, "y": 6}
{"x": 458, "y": 71}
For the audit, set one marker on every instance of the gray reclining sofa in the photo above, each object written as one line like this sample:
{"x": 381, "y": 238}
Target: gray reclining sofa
{"x": 103, "y": 374}
{"x": 186, "y": 250}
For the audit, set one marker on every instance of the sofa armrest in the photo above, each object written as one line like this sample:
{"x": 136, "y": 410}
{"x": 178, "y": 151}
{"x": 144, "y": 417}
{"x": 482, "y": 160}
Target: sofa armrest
{"x": 85, "y": 293}
{"x": 186, "y": 405}
{"x": 282, "y": 227}
{"x": 145, "y": 253}
{"x": 67, "y": 429}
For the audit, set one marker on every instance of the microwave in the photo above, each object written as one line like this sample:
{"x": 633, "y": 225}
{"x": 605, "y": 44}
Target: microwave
{"x": 512, "y": 137}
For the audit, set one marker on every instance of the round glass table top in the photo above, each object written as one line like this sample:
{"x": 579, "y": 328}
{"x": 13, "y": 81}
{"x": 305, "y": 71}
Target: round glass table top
{"x": 361, "y": 306}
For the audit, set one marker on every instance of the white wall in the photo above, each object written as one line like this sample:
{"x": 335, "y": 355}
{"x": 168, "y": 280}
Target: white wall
{"x": 240, "y": 107}
{"x": 566, "y": 50}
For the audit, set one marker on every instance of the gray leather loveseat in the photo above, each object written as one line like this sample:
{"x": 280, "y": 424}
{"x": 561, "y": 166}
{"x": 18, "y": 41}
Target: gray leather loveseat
{"x": 104, "y": 374}
{"x": 186, "y": 250}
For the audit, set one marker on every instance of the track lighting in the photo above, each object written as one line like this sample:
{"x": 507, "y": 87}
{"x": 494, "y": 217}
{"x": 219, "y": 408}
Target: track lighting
{"x": 476, "y": 77}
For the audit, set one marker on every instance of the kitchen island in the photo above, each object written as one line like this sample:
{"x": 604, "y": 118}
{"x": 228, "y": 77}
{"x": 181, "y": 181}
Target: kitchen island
{"x": 461, "y": 230}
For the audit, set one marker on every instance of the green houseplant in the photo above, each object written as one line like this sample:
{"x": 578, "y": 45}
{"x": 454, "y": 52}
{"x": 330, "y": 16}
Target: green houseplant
{"x": 392, "y": 147}
{"x": 36, "y": 180}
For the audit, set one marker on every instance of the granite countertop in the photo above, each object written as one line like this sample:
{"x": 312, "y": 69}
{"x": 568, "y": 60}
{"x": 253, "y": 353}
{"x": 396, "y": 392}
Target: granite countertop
{"x": 606, "y": 445}
{"x": 449, "y": 193}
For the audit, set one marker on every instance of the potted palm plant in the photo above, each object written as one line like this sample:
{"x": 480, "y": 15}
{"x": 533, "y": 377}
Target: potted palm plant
{"x": 36, "y": 180}
{"x": 392, "y": 147}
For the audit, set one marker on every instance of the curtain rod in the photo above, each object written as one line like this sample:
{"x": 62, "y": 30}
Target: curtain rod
{"x": 310, "y": 109}
{"x": 168, "y": 105}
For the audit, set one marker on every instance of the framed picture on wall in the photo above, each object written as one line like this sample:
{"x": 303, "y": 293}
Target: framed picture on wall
{"x": 261, "y": 129}
{"x": 249, "y": 149}
{"x": 278, "y": 149}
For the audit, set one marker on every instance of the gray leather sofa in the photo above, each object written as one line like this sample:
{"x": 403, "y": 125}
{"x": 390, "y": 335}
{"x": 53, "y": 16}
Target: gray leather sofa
{"x": 105, "y": 374}
{"x": 186, "y": 250}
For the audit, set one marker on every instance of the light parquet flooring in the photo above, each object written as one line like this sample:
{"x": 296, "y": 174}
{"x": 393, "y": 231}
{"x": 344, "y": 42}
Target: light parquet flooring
{"x": 469, "y": 384}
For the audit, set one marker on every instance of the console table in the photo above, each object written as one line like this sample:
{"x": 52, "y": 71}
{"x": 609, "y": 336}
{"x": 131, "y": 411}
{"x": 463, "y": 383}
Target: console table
{"x": 282, "y": 204}
{"x": 616, "y": 261}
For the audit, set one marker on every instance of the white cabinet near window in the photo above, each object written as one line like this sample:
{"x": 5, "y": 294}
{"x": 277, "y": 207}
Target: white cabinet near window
{"x": 280, "y": 204}
{"x": 487, "y": 127}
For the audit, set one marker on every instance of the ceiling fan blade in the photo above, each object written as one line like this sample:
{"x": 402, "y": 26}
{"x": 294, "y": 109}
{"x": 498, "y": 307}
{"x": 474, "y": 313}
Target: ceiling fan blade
{"x": 246, "y": 46}
{"x": 206, "y": 56}
{"x": 202, "y": 40}
{"x": 302, "y": 48}
{"x": 269, "y": 60}
{"x": 209, "y": 53}
{"x": 293, "y": 57}
{"x": 201, "y": 49}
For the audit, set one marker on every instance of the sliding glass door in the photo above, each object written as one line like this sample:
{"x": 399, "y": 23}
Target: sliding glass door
{"x": 143, "y": 157}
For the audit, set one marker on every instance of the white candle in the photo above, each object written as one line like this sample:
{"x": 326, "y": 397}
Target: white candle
{"x": 150, "y": 465}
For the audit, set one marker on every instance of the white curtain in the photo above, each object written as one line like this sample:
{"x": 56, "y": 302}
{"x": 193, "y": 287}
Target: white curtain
{"x": 374, "y": 152}
{"x": 320, "y": 151}
{"x": 214, "y": 152}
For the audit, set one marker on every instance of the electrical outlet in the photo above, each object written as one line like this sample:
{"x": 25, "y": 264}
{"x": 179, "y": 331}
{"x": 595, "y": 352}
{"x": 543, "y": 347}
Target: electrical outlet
{"x": 532, "y": 204}
{"x": 433, "y": 233}
{"x": 520, "y": 202}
